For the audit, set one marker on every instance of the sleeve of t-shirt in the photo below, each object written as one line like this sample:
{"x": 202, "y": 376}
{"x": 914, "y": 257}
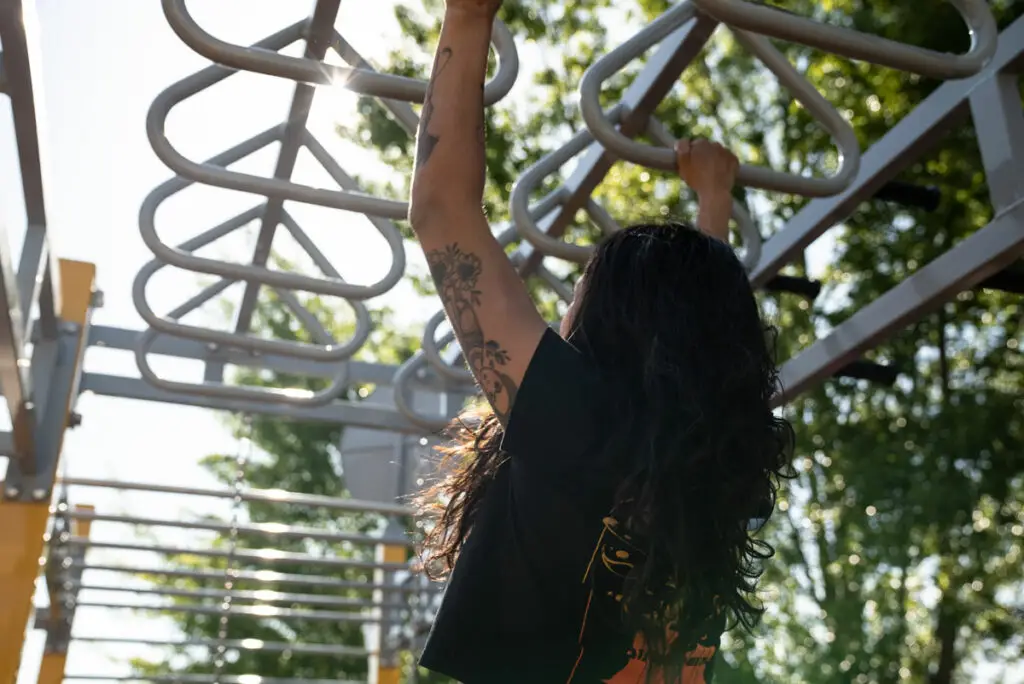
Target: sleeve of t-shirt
{"x": 558, "y": 409}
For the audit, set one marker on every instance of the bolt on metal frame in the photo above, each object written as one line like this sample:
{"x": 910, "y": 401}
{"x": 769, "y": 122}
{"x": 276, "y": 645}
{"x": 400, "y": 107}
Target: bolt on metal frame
{"x": 988, "y": 92}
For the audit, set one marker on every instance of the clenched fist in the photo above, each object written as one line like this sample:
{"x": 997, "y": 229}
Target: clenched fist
{"x": 706, "y": 166}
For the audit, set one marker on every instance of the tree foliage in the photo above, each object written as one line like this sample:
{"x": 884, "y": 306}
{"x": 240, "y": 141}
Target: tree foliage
{"x": 900, "y": 542}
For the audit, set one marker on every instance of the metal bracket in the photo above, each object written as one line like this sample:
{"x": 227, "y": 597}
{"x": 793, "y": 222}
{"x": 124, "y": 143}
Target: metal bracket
{"x": 34, "y": 482}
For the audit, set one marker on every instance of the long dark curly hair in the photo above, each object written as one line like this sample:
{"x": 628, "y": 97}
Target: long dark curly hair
{"x": 668, "y": 317}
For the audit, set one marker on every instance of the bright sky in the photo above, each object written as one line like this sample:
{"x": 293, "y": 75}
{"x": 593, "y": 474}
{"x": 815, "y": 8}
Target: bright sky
{"x": 103, "y": 63}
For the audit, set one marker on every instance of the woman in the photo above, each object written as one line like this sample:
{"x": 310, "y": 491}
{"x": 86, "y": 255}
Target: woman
{"x": 598, "y": 509}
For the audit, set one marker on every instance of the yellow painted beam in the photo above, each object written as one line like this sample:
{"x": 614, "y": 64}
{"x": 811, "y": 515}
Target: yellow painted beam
{"x": 388, "y": 671}
{"x": 51, "y": 671}
{"x": 23, "y": 525}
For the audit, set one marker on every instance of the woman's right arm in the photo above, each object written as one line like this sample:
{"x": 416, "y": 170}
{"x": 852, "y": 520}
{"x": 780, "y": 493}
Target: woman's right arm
{"x": 710, "y": 170}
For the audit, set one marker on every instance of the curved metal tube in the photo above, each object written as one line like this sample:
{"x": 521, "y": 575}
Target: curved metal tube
{"x": 405, "y": 374}
{"x": 663, "y": 158}
{"x": 211, "y": 174}
{"x": 327, "y": 352}
{"x": 333, "y": 286}
{"x": 531, "y": 230}
{"x": 270, "y": 395}
{"x": 774, "y": 23}
{"x": 268, "y": 61}
{"x": 273, "y": 395}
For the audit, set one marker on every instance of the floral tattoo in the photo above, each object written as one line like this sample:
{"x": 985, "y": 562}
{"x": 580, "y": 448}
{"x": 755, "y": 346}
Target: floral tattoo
{"x": 456, "y": 274}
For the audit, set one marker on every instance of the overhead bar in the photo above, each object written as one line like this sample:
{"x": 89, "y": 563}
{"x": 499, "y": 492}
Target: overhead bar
{"x": 266, "y": 577}
{"x": 333, "y": 650}
{"x": 263, "y": 495}
{"x": 255, "y": 612}
{"x": 278, "y": 530}
{"x": 977, "y": 257}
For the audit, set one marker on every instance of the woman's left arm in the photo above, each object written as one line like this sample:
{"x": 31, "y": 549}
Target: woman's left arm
{"x": 487, "y": 303}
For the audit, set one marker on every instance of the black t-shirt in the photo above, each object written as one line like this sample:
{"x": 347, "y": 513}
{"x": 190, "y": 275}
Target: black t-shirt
{"x": 534, "y": 596}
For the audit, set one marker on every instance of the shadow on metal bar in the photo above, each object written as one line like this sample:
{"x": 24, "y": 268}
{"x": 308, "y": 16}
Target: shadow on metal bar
{"x": 775, "y": 23}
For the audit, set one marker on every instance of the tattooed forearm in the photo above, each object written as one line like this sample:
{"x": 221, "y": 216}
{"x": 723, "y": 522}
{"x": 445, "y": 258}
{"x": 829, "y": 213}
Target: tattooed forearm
{"x": 426, "y": 141}
{"x": 456, "y": 274}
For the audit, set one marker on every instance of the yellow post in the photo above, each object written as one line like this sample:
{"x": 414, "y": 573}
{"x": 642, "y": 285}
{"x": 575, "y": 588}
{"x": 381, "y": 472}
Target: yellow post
{"x": 388, "y": 670}
{"x": 51, "y": 671}
{"x": 23, "y": 524}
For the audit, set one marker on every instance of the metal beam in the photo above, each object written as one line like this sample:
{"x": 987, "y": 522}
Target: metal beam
{"x": 332, "y": 650}
{"x": 265, "y": 577}
{"x": 268, "y": 529}
{"x": 267, "y": 556}
{"x": 982, "y": 254}
{"x": 379, "y": 374}
{"x": 338, "y": 413}
{"x": 999, "y": 123}
{"x": 319, "y": 32}
{"x": 249, "y": 495}
{"x": 37, "y": 273}
{"x": 201, "y": 679}
{"x": 259, "y": 597}
{"x": 255, "y": 612}
{"x": 914, "y": 135}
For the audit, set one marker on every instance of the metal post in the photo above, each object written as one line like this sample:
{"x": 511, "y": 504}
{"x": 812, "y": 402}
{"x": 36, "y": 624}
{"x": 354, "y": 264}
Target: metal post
{"x": 24, "y": 508}
{"x": 384, "y": 664}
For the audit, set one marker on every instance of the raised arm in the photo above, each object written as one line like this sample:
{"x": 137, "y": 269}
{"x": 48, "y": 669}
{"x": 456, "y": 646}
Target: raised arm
{"x": 710, "y": 170}
{"x": 493, "y": 317}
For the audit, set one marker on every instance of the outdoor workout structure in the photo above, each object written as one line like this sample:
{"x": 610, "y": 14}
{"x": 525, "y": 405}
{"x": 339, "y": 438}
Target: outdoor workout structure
{"x": 45, "y": 332}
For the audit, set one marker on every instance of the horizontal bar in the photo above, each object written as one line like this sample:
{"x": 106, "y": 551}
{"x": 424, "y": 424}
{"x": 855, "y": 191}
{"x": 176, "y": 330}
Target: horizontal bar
{"x": 349, "y": 413}
{"x": 336, "y": 650}
{"x": 279, "y": 530}
{"x": 124, "y": 339}
{"x": 263, "y": 495}
{"x": 264, "y": 612}
{"x": 202, "y": 679}
{"x": 984, "y": 253}
{"x": 246, "y": 555}
{"x": 260, "y": 597}
{"x": 916, "y": 133}
{"x": 269, "y": 577}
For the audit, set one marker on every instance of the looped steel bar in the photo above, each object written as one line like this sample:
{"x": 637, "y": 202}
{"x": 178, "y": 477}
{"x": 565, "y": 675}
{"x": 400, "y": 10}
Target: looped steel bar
{"x": 365, "y": 82}
{"x": 676, "y": 20}
{"x": 839, "y": 40}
